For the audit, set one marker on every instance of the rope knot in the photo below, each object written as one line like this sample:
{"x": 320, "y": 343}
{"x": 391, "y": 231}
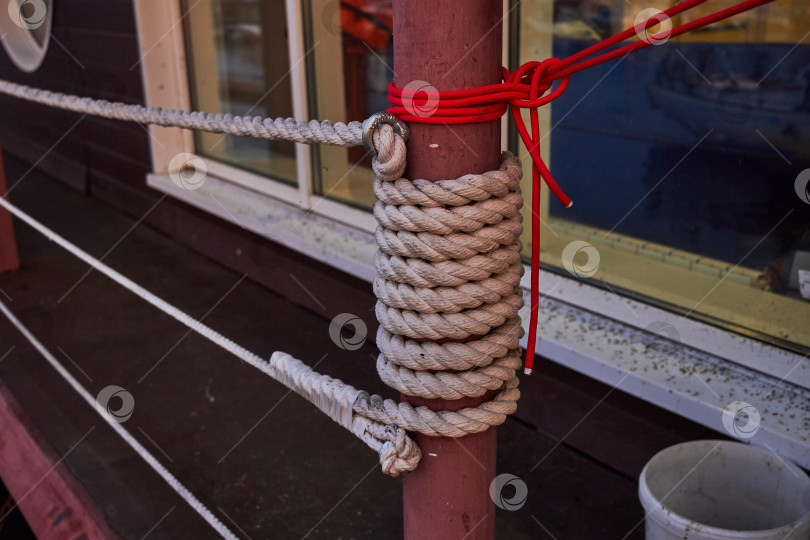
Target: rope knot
{"x": 529, "y": 87}
{"x": 536, "y": 78}
{"x": 399, "y": 453}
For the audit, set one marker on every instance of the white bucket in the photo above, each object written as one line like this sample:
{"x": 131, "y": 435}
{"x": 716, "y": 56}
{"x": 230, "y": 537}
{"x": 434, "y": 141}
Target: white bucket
{"x": 719, "y": 490}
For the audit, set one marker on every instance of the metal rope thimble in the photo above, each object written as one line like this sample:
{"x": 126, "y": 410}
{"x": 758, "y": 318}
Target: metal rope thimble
{"x": 371, "y": 124}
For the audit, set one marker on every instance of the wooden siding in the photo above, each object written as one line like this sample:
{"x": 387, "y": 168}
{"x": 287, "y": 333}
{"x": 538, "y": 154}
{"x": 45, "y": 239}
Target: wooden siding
{"x": 93, "y": 52}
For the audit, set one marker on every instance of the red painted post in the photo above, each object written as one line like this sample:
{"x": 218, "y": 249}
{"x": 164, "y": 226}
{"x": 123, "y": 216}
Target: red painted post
{"x": 450, "y": 45}
{"x": 8, "y": 245}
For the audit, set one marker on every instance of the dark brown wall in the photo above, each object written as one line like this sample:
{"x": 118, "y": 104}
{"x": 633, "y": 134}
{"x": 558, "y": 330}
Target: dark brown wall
{"x": 93, "y": 47}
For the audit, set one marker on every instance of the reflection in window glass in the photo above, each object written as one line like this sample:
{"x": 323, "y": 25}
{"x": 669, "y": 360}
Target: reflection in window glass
{"x": 239, "y": 64}
{"x": 682, "y": 161}
{"x": 351, "y": 59}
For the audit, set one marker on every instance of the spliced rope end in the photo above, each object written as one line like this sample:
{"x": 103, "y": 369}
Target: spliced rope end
{"x": 397, "y": 451}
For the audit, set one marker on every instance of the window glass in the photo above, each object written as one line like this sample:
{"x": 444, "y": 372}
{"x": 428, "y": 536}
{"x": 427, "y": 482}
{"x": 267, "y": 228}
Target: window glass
{"x": 351, "y": 64}
{"x": 687, "y": 163}
{"x": 239, "y": 64}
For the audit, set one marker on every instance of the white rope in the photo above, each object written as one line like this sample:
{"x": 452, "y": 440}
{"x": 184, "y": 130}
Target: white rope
{"x": 384, "y": 422}
{"x": 397, "y": 451}
{"x": 448, "y": 266}
{"x": 170, "y": 479}
{"x": 286, "y": 129}
{"x": 337, "y": 399}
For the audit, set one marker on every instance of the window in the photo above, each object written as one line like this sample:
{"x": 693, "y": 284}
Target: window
{"x": 240, "y": 65}
{"x": 684, "y": 163}
{"x": 26, "y": 32}
{"x": 351, "y": 41}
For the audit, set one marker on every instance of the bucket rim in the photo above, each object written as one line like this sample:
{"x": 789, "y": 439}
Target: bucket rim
{"x": 681, "y": 525}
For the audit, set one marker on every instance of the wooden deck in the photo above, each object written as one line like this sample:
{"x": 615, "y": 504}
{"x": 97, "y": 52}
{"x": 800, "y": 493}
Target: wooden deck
{"x": 265, "y": 461}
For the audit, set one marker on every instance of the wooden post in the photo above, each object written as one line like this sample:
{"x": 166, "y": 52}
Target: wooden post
{"x": 8, "y": 245}
{"x": 450, "y": 45}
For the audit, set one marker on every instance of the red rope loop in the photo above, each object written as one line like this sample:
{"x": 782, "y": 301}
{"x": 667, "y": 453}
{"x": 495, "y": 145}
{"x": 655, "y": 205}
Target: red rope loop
{"x": 526, "y": 88}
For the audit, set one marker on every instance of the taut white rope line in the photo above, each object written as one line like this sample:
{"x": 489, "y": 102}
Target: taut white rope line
{"x": 337, "y": 399}
{"x": 287, "y": 129}
{"x": 170, "y": 479}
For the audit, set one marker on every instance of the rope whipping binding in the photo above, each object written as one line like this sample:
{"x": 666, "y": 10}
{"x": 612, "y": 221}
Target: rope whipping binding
{"x": 448, "y": 266}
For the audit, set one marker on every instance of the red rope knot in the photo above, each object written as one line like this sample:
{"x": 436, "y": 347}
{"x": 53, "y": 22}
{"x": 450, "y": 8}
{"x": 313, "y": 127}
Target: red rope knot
{"x": 535, "y": 79}
{"x": 540, "y": 77}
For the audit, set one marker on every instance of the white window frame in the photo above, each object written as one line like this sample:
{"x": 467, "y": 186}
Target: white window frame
{"x": 600, "y": 333}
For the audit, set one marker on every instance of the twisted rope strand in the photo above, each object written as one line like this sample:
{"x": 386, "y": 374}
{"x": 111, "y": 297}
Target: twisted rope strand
{"x": 442, "y": 423}
{"x": 450, "y": 355}
{"x": 285, "y": 129}
{"x": 448, "y": 266}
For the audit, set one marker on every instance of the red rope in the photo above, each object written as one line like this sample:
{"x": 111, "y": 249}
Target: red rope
{"x": 526, "y": 88}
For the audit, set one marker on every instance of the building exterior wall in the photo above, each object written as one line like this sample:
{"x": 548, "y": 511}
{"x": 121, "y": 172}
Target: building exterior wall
{"x": 94, "y": 52}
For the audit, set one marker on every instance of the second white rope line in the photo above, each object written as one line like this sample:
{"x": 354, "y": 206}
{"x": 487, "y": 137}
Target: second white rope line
{"x": 139, "y": 449}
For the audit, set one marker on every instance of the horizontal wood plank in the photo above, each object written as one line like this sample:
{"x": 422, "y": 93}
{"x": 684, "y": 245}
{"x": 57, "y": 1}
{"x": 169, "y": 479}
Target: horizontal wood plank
{"x": 53, "y": 502}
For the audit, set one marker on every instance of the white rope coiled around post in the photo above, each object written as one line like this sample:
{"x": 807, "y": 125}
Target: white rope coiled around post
{"x": 448, "y": 266}
{"x": 284, "y": 129}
